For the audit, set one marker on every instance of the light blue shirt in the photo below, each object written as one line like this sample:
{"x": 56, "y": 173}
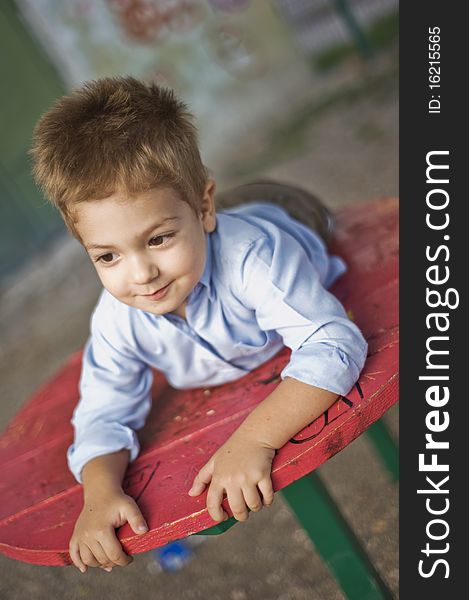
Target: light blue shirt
{"x": 263, "y": 287}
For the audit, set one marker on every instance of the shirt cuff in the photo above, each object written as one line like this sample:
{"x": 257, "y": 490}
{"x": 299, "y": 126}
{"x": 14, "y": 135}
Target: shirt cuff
{"x": 326, "y": 367}
{"x": 100, "y": 440}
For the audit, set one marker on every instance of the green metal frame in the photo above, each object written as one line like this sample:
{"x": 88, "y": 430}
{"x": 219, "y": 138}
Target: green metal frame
{"x": 318, "y": 514}
{"x": 335, "y": 541}
{"x": 385, "y": 446}
{"x": 219, "y": 528}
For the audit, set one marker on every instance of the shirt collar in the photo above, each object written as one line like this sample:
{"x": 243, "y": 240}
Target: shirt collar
{"x": 207, "y": 274}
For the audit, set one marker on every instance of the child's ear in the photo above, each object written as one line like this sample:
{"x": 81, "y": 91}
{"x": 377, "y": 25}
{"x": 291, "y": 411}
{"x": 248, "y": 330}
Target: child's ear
{"x": 207, "y": 211}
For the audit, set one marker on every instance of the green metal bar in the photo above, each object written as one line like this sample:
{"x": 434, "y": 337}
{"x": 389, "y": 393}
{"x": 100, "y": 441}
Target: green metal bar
{"x": 219, "y": 528}
{"x": 386, "y": 447}
{"x": 317, "y": 512}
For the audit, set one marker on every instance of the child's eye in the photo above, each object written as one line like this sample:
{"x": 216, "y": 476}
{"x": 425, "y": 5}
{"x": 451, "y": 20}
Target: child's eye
{"x": 106, "y": 258}
{"x": 161, "y": 240}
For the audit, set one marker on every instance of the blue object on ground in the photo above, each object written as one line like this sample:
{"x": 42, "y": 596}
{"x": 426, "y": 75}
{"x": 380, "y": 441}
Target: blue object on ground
{"x": 175, "y": 555}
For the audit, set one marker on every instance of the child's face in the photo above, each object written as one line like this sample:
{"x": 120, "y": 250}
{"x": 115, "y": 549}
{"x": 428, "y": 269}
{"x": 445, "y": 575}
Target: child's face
{"x": 152, "y": 246}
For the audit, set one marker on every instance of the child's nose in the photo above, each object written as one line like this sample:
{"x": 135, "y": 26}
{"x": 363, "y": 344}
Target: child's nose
{"x": 144, "y": 270}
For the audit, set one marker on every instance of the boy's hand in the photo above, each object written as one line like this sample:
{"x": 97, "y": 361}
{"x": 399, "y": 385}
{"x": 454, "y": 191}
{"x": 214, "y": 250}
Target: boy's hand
{"x": 240, "y": 468}
{"x": 94, "y": 542}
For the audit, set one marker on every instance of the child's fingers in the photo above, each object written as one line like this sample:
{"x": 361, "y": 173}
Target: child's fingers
{"x": 114, "y": 552}
{"x": 135, "y": 519}
{"x": 252, "y": 498}
{"x": 87, "y": 556}
{"x": 76, "y": 558}
{"x": 214, "y": 500}
{"x": 100, "y": 555}
{"x": 267, "y": 490}
{"x": 237, "y": 503}
{"x": 202, "y": 479}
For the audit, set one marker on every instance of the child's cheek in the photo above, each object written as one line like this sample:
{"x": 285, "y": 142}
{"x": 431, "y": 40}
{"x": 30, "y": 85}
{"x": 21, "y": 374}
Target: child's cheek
{"x": 112, "y": 282}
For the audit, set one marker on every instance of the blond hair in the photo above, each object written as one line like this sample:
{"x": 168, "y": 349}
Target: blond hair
{"x": 116, "y": 133}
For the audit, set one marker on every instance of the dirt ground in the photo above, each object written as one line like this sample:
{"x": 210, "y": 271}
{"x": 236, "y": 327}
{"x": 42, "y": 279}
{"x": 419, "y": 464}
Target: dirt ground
{"x": 348, "y": 153}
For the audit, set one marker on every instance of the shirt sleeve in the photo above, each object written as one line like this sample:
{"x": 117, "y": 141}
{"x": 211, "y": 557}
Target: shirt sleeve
{"x": 285, "y": 290}
{"x": 115, "y": 397}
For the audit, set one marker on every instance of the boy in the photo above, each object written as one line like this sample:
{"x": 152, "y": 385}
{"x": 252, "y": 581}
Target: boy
{"x": 203, "y": 297}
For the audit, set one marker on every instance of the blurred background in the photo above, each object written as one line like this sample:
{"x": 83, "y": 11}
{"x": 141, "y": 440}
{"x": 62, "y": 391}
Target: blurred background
{"x": 305, "y": 91}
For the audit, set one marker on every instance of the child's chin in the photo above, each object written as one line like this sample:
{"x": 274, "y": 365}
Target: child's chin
{"x": 145, "y": 306}
{"x": 158, "y": 309}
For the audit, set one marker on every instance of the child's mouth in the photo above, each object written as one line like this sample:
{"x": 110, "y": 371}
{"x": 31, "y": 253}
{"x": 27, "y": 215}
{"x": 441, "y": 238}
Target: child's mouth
{"x": 159, "y": 293}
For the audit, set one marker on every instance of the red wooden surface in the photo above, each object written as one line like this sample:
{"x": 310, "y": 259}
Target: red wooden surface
{"x": 40, "y": 498}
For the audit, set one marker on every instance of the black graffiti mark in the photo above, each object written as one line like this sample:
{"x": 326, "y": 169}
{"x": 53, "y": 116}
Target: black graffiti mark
{"x": 359, "y": 390}
{"x": 141, "y": 472}
{"x": 270, "y": 379}
{"x": 325, "y": 416}
{"x": 346, "y": 401}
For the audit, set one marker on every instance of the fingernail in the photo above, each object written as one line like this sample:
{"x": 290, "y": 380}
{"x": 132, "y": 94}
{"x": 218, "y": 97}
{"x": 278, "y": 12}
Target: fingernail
{"x": 82, "y": 570}
{"x": 108, "y": 569}
{"x": 143, "y": 528}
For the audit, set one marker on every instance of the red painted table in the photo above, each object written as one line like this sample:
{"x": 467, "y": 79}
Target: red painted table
{"x": 40, "y": 498}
